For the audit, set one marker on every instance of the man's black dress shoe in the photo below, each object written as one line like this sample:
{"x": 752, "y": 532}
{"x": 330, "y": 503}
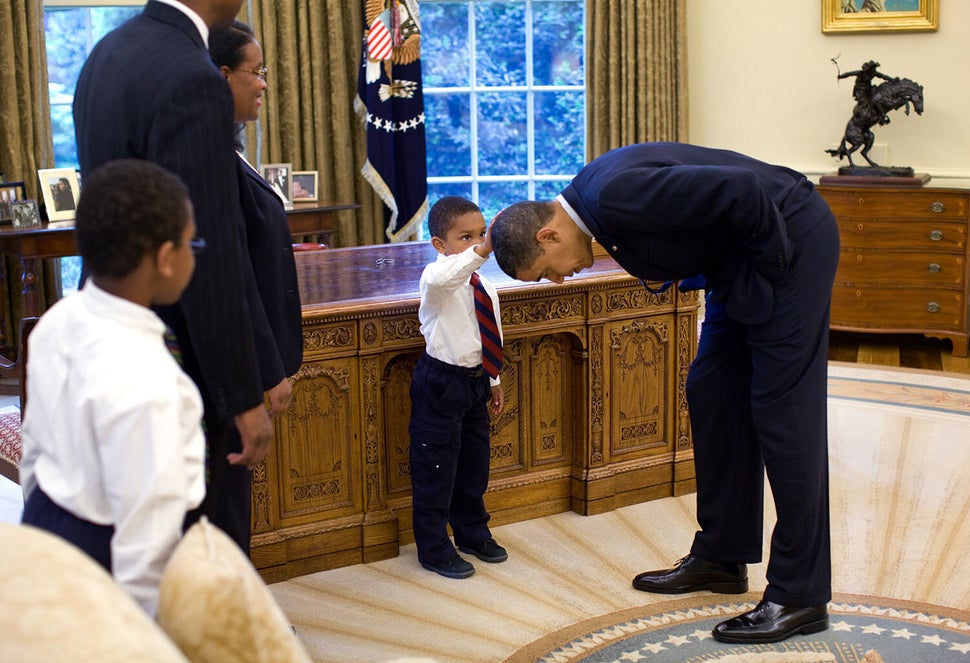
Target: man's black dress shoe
{"x": 692, "y": 574}
{"x": 770, "y": 622}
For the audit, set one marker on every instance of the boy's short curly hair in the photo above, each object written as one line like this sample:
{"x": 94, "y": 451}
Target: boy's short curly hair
{"x": 444, "y": 212}
{"x": 128, "y": 208}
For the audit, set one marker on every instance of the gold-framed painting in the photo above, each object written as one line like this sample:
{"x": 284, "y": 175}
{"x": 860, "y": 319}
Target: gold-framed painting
{"x": 857, "y": 16}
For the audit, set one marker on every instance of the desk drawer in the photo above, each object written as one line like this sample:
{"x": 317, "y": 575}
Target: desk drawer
{"x": 897, "y": 205}
{"x": 898, "y": 308}
{"x": 928, "y": 270}
{"x": 917, "y": 235}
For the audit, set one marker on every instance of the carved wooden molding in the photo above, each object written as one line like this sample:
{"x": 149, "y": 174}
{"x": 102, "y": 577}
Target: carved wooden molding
{"x": 562, "y": 307}
{"x": 317, "y": 339}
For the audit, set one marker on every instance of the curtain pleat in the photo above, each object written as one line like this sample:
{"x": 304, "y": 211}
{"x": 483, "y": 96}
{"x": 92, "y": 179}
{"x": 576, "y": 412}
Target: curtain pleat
{"x": 637, "y": 72}
{"x": 25, "y": 141}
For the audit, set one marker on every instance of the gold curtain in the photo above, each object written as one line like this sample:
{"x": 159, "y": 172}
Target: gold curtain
{"x": 312, "y": 49}
{"x": 25, "y": 139}
{"x": 636, "y": 72}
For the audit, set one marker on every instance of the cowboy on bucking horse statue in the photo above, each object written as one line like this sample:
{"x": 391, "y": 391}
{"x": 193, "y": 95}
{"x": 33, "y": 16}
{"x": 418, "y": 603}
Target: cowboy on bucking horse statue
{"x": 873, "y": 103}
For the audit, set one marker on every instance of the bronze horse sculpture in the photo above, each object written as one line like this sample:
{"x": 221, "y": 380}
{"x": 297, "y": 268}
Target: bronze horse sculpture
{"x": 887, "y": 96}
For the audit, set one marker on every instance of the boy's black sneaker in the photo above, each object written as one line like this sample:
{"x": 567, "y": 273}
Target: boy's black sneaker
{"x": 488, "y": 551}
{"x": 456, "y": 567}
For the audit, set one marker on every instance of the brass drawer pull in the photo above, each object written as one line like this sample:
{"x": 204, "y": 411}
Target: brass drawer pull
{"x": 935, "y": 268}
{"x": 936, "y": 235}
{"x": 933, "y": 307}
{"x": 937, "y": 207}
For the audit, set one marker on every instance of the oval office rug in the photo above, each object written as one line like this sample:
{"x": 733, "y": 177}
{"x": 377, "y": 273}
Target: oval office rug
{"x": 862, "y": 629}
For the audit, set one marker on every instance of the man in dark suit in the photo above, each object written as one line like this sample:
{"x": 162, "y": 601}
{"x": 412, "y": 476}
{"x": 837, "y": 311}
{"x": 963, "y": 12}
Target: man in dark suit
{"x": 767, "y": 245}
{"x": 150, "y": 91}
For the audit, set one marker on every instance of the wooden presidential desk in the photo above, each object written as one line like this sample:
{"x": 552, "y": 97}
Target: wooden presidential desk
{"x": 595, "y": 415}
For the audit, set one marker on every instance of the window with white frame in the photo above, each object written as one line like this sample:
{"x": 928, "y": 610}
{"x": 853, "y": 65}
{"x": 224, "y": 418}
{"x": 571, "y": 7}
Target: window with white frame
{"x": 504, "y": 95}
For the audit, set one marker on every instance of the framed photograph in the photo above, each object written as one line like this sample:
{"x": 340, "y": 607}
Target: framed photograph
{"x": 9, "y": 192}
{"x": 61, "y": 189}
{"x": 280, "y": 177}
{"x": 304, "y": 187}
{"x": 24, "y": 213}
{"x": 848, "y": 16}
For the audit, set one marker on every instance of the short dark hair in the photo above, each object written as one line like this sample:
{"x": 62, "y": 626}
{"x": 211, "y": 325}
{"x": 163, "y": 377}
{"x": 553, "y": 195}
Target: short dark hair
{"x": 226, "y": 46}
{"x": 513, "y": 234}
{"x": 128, "y": 208}
{"x": 444, "y": 212}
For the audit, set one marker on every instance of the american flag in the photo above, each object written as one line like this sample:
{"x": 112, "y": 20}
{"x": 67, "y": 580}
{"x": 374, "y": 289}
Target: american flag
{"x": 379, "y": 43}
{"x": 390, "y": 101}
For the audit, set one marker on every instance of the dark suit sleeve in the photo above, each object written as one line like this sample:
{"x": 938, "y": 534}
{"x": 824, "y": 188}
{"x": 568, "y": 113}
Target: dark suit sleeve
{"x": 191, "y": 135}
{"x": 690, "y": 198}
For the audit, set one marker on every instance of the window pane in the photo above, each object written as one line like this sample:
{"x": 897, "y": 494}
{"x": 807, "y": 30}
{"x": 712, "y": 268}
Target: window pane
{"x": 442, "y": 189}
{"x": 503, "y": 137}
{"x": 66, "y": 32}
{"x": 557, "y": 43}
{"x": 444, "y": 33}
{"x": 493, "y": 196}
{"x": 62, "y": 126}
{"x": 448, "y": 137}
{"x": 106, "y": 19}
{"x": 547, "y": 190}
{"x": 500, "y": 43}
{"x": 560, "y": 132}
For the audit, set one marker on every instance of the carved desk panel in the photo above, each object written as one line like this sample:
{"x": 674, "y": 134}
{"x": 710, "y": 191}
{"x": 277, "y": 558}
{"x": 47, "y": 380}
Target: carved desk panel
{"x": 595, "y": 415}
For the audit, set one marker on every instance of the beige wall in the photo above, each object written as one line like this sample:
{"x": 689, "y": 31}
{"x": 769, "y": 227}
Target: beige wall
{"x": 761, "y": 82}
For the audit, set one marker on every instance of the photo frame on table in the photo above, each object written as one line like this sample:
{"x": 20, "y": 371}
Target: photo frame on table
{"x": 24, "y": 213}
{"x": 280, "y": 178}
{"x": 61, "y": 189}
{"x": 9, "y": 192}
{"x": 304, "y": 188}
{"x": 905, "y": 16}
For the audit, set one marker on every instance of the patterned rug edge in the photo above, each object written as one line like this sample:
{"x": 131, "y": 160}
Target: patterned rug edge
{"x": 599, "y": 631}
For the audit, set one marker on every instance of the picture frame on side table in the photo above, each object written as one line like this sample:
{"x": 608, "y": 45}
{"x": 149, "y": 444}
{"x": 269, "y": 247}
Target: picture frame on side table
{"x": 61, "y": 189}
{"x": 304, "y": 188}
{"x": 24, "y": 213}
{"x": 847, "y": 16}
{"x": 280, "y": 178}
{"x": 9, "y": 192}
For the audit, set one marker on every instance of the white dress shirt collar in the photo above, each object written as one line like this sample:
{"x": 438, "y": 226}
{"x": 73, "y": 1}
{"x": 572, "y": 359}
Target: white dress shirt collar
{"x": 573, "y": 215}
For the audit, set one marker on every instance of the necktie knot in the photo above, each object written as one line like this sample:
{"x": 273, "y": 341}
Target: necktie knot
{"x": 488, "y": 328}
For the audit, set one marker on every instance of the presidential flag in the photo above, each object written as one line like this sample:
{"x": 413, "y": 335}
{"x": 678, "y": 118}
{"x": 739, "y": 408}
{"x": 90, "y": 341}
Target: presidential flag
{"x": 389, "y": 100}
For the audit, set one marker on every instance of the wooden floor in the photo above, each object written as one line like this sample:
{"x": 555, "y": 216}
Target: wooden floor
{"x": 902, "y": 350}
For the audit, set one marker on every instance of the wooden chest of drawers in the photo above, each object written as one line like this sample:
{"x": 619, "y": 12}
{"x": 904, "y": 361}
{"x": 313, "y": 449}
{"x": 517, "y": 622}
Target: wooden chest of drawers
{"x": 903, "y": 266}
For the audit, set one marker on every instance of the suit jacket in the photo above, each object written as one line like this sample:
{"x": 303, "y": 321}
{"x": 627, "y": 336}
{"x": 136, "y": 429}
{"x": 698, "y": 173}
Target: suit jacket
{"x": 279, "y": 334}
{"x": 150, "y": 91}
{"x": 668, "y": 211}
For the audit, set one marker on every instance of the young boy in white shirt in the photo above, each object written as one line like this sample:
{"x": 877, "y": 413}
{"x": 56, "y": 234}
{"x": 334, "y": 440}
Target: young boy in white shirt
{"x": 113, "y": 450}
{"x": 454, "y": 386}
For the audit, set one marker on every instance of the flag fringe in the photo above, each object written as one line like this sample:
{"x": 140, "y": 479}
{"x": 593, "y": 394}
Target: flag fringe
{"x": 377, "y": 182}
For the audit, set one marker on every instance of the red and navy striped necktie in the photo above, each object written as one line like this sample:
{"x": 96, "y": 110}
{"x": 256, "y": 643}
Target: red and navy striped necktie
{"x": 491, "y": 340}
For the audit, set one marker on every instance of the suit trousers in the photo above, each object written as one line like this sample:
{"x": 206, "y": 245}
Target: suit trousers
{"x": 757, "y": 396}
{"x": 449, "y": 457}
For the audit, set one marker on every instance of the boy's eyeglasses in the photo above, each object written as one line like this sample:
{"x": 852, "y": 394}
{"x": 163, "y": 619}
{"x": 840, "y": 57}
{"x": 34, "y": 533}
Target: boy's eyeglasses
{"x": 197, "y": 245}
